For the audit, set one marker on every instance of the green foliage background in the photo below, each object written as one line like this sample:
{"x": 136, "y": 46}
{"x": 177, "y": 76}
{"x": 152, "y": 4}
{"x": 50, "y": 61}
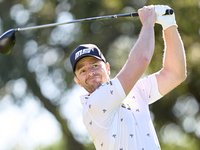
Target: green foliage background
{"x": 176, "y": 116}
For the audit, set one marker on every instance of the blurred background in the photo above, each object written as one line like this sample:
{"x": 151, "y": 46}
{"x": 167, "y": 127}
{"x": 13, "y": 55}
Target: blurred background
{"x": 39, "y": 101}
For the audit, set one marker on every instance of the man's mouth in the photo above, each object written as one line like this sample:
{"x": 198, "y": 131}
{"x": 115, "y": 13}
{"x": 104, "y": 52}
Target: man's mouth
{"x": 93, "y": 78}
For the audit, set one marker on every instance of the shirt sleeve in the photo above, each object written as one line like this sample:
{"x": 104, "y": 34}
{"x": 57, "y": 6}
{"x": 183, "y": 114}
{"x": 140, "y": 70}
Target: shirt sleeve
{"x": 148, "y": 87}
{"x": 109, "y": 95}
{"x": 102, "y": 103}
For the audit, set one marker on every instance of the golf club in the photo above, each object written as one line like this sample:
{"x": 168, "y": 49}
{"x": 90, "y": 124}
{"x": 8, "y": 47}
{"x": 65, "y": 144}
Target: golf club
{"x": 7, "y": 39}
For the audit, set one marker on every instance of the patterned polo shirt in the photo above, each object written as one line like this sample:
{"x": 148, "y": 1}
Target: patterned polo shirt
{"x": 119, "y": 122}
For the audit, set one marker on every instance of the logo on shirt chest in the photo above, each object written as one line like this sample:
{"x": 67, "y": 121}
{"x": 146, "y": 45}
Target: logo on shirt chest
{"x": 124, "y": 106}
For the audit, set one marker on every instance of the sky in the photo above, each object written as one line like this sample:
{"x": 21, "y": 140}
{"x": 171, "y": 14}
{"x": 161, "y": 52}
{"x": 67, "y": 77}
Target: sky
{"x": 31, "y": 125}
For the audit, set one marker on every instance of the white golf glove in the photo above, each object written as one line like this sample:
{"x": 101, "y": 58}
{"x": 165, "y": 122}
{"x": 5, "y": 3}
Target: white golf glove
{"x": 165, "y": 20}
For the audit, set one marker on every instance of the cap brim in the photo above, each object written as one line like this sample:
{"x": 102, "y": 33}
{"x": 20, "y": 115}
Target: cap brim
{"x": 86, "y": 55}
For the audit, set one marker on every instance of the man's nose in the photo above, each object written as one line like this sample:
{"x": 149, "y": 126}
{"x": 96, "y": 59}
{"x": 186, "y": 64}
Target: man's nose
{"x": 91, "y": 72}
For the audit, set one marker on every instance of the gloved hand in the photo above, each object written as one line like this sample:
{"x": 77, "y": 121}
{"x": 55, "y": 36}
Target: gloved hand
{"x": 165, "y": 20}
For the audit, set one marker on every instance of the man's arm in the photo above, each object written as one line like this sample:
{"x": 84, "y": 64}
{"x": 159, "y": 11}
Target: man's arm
{"x": 174, "y": 63}
{"x": 141, "y": 54}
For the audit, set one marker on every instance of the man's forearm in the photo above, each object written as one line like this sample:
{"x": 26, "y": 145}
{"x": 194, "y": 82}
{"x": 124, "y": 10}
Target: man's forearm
{"x": 139, "y": 59}
{"x": 174, "y": 58}
{"x": 145, "y": 44}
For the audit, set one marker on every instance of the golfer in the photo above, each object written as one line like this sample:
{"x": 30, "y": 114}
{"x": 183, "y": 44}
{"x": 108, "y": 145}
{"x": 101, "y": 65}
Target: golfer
{"x": 116, "y": 111}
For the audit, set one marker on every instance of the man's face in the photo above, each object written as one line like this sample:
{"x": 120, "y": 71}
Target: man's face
{"x": 91, "y": 73}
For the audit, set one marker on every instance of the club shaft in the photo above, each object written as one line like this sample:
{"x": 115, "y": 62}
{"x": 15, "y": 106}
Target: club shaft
{"x": 79, "y": 20}
{"x": 135, "y": 14}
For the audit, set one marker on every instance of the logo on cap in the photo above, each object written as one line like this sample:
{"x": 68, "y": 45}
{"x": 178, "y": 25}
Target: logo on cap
{"x": 81, "y": 52}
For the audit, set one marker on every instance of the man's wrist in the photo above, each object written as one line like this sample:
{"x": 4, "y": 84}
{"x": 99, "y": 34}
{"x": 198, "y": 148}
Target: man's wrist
{"x": 173, "y": 27}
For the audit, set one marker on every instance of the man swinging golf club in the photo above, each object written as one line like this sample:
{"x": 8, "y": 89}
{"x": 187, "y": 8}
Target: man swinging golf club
{"x": 115, "y": 111}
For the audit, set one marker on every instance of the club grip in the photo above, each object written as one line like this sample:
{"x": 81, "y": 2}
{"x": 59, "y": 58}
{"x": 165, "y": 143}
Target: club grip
{"x": 169, "y": 12}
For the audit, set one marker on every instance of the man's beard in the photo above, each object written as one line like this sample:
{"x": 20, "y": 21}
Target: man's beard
{"x": 92, "y": 87}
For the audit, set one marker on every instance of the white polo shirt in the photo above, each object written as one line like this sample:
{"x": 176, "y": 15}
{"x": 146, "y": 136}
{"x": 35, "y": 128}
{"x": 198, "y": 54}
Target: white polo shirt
{"x": 117, "y": 122}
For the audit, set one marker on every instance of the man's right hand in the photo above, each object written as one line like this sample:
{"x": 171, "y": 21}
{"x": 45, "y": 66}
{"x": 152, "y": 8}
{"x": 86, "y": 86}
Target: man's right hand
{"x": 147, "y": 15}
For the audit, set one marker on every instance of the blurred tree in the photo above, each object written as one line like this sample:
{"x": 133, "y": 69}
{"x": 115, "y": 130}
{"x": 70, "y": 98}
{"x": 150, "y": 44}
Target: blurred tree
{"x": 41, "y": 57}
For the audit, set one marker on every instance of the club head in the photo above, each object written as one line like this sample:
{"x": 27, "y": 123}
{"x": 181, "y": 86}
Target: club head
{"x": 7, "y": 41}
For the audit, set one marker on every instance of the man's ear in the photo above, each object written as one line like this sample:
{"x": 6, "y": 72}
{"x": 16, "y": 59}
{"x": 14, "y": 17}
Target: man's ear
{"x": 77, "y": 81}
{"x": 108, "y": 68}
